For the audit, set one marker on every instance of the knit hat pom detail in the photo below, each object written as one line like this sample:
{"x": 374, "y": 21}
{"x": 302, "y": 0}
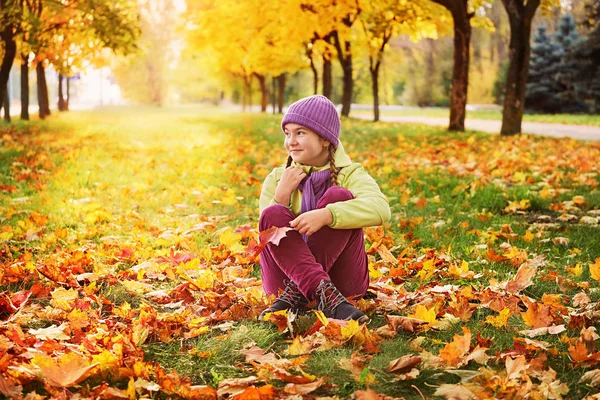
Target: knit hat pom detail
{"x": 316, "y": 113}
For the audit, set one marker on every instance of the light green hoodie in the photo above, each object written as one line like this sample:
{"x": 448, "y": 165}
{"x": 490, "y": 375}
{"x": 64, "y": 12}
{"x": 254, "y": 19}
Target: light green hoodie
{"x": 368, "y": 208}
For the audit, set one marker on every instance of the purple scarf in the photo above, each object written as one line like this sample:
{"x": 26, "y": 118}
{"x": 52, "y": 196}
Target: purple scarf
{"x": 313, "y": 188}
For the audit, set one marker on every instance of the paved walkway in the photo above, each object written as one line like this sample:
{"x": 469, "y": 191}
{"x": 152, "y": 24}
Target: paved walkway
{"x": 581, "y": 132}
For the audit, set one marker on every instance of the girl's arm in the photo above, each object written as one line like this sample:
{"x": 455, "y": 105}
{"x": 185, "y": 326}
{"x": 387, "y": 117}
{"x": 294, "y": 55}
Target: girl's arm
{"x": 267, "y": 193}
{"x": 369, "y": 206}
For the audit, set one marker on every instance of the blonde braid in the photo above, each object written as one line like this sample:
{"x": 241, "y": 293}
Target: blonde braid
{"x": 332, "y": 168}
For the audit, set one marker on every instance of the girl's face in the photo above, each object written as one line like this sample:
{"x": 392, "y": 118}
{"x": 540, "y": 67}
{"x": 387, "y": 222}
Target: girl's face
{"x": 305, "y": 146}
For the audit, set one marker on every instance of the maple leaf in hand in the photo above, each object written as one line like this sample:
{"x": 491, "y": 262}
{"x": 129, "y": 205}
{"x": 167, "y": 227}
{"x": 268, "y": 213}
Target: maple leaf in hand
{"x": 271, "y": 235}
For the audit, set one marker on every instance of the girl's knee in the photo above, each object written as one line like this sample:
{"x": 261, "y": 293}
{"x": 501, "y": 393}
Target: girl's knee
{"x": 335, "y": 194}
{"x": 275, "y": 215}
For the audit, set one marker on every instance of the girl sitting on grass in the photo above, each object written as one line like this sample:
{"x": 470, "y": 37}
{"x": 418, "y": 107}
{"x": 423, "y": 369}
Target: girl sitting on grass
{"x": 327, "y": 199}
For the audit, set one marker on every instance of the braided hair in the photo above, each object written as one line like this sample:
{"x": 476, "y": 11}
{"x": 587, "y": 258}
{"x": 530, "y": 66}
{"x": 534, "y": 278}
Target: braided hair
{"x": 332, "y": 169}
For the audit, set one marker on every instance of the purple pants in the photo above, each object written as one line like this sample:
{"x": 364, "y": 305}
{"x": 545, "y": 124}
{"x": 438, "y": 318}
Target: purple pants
{"x": 331, "y": 254}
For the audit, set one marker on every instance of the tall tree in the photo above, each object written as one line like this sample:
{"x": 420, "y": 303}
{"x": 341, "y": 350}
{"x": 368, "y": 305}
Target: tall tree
{"x": 542, "y": 85}
{"x": 461, "y": 15}
{"x": 587, "y": 55}
{"x": 567, "y": 38}
{"x": 520, "y": 15}
{"x": 246, "y": 39}
{"x": 382, "y": 19}
{"x": 10, "y": 13}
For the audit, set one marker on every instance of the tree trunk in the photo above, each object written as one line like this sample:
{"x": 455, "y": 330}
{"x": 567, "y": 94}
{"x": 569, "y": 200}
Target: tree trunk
{"x": 264, "y": 101}
{"x": 460, "y": 72}
{"x": 520, "y": 17}
{"x": 10, "y": 51}
{"x": 68, "y": 94}
{"x": 247, "y": 97}
{"x": 345, "y": 58}
{"x": 327, "y": 79}
{"x": 61, "y": 97}
{"x": 6, "y": 103}
{"x": 25, "y": 87}
{"x": 281, "y": 94}
{"x": 375, "y": 85}
{"x": 42, "y": 89}
{"x": 273, "y": 98}
{"x": 460, "y": 69}
{"x": 313, "y": 68}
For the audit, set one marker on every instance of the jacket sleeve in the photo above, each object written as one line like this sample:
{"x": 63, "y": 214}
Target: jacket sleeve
{"x": 368, "y": 208}
{"x": 267, "y": 194}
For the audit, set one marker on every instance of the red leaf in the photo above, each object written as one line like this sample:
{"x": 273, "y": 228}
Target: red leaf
{"x": 274, "y": 235}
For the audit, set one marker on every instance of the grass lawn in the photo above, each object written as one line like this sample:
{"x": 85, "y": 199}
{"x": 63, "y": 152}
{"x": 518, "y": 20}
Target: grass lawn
{"x": 438, "y": 112}
{"x": 126, "y": 237}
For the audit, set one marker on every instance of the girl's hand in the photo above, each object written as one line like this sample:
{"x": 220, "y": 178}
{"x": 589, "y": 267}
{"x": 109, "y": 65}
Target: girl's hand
{"x": 311, "y": 221}
{"x": 291, "y": 178}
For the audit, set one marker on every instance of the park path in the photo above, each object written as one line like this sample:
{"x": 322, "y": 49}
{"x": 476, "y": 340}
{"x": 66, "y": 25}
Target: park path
{"x": 581, "y": 132}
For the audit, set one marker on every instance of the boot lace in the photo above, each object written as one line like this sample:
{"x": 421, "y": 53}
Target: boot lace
{"x": 292, "y": 295}
{"x": 329, "y": 296}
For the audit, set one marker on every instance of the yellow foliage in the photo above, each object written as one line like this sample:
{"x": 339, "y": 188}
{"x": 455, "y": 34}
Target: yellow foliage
{"x": 500, "y": 320}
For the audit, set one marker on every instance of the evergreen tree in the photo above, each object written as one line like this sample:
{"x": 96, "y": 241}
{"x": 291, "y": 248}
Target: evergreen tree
{"x": 542, "y": 86}
{"x": 587, "y": 55}
{"x": 567, "y": 37}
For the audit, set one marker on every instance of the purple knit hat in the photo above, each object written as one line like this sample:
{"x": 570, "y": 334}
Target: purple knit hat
{"x": 316, "y": 113}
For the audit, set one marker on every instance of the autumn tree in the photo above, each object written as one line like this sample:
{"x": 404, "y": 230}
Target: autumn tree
{"x": 249, "y": 40}
{"x": 10, "y": 14}
{"x": 382, "y": 19}
{"x": 461, "y": 15}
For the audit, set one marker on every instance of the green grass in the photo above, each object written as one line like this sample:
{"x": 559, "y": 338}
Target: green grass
{"x": 137, "y": 179}
{"x": 435, "y": 112}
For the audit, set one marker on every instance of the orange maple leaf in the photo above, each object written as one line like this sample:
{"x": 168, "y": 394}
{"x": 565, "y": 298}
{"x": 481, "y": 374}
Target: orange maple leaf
{"x": 538, "y": 316}
{"x": 65, "y": 371}
{"x": 454, "y": 352}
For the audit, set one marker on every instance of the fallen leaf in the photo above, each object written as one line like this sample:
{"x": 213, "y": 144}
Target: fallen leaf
{"x": 499, "y": 321}
{"x": 51, "y": 333}
{"x": 69, "y": 369}
{"x": 304, "y": 388}
{"x": 403, "y": 364}
{"x": 550, "y": 330}
{"x": 581, "y": 299}
{"x": 595, "y": 269}
{"x": 591, "y": 377}
{"x": 455, "y": 392}
{"x": 525, "y": 275}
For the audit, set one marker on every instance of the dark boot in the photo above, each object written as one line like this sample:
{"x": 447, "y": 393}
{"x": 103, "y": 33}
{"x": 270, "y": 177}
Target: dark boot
{"x": 291, "y": 299}
{"x": 334, "y": 305}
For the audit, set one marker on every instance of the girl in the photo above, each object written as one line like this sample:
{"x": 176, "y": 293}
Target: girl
{"x": 327, "y": 199}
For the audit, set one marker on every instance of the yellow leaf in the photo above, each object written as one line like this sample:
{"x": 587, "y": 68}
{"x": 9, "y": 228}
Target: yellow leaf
{"x": 231, "y": 239}
{"x": 63, "y": 298}
{"x": 350, "y": 329}
{"x": 501, "y": 320}
{"x": 321, "y": 317}
{"x": 595, "y": 269}
{"x": 427, "y": 271}
{"x": 299, "y": 347}
{"x": 106, "y": 360}
{"x": 424, "y": 314}
{"x": 575, "y": 271}
{"x": 78, "y": 318}
{"x": 528, "y": 236}
{"x": 374, "y": 273}
{"x": 206, "y": 279}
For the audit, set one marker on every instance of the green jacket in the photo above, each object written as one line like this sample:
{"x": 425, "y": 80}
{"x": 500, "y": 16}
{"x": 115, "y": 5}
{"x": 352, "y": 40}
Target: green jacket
{"x": 368, "y": 208}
